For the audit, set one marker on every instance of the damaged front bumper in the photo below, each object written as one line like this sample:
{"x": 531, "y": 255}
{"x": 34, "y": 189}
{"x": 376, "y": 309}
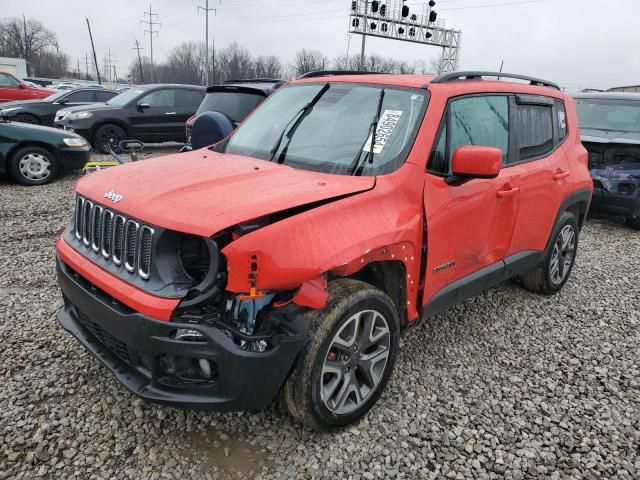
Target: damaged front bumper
{"x": 148, "y": 358}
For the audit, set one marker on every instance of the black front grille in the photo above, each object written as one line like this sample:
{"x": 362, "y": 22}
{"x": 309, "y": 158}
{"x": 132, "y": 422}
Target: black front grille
{"x": 116, "y": 238}
{"x": 111, "y": 343}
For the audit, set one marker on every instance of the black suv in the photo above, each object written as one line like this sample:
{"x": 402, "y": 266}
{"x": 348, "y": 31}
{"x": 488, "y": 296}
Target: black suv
{"x": 610, "y": 131}
{"x": 151, "y": 113}
{"x": 235, "y": 99}
{"x": 42, "y": 111}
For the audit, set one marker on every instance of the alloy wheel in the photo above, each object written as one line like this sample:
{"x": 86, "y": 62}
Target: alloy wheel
{"x": 564, "y": 250}
{"x": 355, "y": 362}
{"x": 35, "y": 166}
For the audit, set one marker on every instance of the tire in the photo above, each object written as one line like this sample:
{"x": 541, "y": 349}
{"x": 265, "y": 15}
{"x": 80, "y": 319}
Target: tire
{"x": 108, "y": 133}
{"x": 33, "y": 166}
{"x": 27, "y": 118}
{"x": 328, "y": 387}
{"x": 545, "y": 278}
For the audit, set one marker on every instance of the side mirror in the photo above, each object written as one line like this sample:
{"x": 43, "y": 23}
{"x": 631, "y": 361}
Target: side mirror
{"x": 142, "y": 106}
{"x": 63, "y": 101}
{"x": 22, "y": 86}
{"x": 476, "y": 162}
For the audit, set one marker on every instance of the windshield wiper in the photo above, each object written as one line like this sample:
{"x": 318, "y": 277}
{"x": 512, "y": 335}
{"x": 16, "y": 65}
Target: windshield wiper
{"x": 295, "y": 123}
{"x": 355, "y": 167}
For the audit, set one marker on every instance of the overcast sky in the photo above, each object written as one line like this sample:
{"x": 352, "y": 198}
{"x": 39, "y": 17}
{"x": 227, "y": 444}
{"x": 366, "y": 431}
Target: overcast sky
{"x": 578, "y": 43}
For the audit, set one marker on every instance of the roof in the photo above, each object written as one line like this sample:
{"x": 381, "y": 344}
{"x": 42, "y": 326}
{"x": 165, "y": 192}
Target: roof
{"x": 399, "y": 80}
{"x": 172, "y": 85}
{"x": 608, "y": 96}
{"x": 453, "y": 80}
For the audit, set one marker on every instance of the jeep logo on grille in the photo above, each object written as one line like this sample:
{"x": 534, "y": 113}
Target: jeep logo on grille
{"x": 113, "y": 196}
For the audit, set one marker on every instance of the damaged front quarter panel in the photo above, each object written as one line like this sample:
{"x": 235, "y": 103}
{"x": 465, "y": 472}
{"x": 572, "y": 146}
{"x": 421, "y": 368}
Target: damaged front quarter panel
{"x": 338, "y": 238}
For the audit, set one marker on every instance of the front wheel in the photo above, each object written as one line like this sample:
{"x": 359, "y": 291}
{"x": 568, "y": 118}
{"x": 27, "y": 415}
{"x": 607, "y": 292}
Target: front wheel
{"x": 33, "y": 166}
{"x": 108, "y": 135}
{"x": 552, "y": 273}
{"x": 344, "y": 368}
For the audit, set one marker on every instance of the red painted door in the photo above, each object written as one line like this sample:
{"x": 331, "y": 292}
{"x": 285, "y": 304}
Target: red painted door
{"x": 469, "y": 225}
{"x": 542, "y": 171}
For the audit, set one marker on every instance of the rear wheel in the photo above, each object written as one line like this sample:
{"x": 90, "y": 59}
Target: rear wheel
{"x": 345, "y": 366}
{"x": 33, "y": 166}
{"x": 27, "y": 118}
{"x": 108, "y": 135}
{"x": 554, "y": 270}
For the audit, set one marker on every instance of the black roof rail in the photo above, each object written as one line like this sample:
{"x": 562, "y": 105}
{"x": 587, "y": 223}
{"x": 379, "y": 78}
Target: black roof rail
{"x": 329, "y": 73}
{"x": 254, "y": 80}
{"x": 473, "y": 75}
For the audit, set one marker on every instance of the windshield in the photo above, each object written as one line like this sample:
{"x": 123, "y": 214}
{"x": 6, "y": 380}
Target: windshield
{"x": 125, "y": 97}
{"x": 613, "y": 115}
{"x": 335, "y": 132}
{"x": 235, "y": 105}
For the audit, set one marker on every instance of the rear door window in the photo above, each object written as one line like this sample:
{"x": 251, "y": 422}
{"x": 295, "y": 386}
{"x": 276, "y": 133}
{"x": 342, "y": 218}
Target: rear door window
{"x": 104, "y": 96}
{"x": 190, "y": 98}
{"x": 81, "y": 96}
{"x": 534, "y": 132}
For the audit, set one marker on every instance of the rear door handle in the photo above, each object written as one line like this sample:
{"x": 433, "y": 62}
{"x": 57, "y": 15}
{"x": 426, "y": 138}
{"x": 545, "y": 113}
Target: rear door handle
{"x": 508, "y": 193}
{"x": 561, "y": 174}
{"x": 170, "y": 113}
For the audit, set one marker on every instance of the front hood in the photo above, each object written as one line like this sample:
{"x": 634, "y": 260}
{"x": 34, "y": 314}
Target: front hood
{"x": 204, "y": 192}
{"x": 93, "y": 107}
{"x": 20, "y": 103}
{"x": 36, "y": 129}
{"x": 608, "y": 136}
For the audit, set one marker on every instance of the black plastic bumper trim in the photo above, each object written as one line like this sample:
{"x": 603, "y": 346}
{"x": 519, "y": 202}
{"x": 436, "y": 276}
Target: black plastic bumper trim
{"x": 246, "y": 380}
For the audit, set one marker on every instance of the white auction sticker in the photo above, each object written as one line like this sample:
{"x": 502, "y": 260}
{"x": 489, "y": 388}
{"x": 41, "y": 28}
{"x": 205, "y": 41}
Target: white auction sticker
{"x": 387, "y": 123}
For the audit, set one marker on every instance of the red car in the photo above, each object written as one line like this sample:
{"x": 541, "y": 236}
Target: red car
{"x": 287, "y": 259}
{"x": 12, "y": 88}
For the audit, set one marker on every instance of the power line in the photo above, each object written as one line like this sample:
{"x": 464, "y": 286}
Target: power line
{"x": 206, "y": 10}
{"x": 151, "y": 31}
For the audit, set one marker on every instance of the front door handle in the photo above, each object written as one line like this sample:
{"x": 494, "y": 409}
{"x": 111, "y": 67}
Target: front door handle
{"x": 561, "y": 174}
{"x": 170, "y": 113}
{"x": 508, "y": 193}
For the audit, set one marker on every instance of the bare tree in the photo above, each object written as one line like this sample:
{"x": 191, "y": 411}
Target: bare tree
{"x": 234, "y": 62}
{"x": 18, "y": 39}
{"x": 185, "y": 64}
{"x": 50, "y": 64}
{"x": 309, "y": 60}
{"x": 268, "y": 67}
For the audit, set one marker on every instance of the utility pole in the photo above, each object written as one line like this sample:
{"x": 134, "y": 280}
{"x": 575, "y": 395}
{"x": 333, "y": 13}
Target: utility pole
{"x": 115, "y": 75}
{"x": 95, "y": 58}
{"x": 78, "y": 69}
{"x": 206, "y": 10}
{"x": 109, "y": 64}
{"x": 86, "y": 65}
{"x": 151, "y": 31}
{"x": 138, "y": 48}
{"x": 364, "y": 37}
{"x": 24, "y": 29}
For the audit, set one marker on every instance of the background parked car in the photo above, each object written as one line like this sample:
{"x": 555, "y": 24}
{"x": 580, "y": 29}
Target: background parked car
{"x": 12, "y": 88}
{"x": 235, "y": 99}
{"x": 610, "y": 130}
{"x": 43, "y": 111}
{"x": 35, "y": 155}
{"x": 151, "y": 113}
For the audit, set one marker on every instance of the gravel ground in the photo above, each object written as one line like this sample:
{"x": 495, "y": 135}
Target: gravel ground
{"x": 507, "y": 385}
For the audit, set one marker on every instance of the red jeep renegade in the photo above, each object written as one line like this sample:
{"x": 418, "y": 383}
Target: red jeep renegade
{"x": 286, "y": 260}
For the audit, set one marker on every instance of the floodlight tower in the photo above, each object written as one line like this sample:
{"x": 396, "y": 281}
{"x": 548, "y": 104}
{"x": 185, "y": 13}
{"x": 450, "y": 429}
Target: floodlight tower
{"x": 394, "y": 19}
